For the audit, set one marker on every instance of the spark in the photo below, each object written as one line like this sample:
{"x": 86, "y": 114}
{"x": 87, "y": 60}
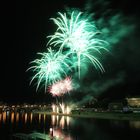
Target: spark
{"x": 68, "y": 84}
{"x": 50, "y": 68}
{"x": 62, "y": 106}
{"x": 65, "y": 109}
{"x": 61, "y": 87}
{"x": 68, "y": 110}
{"x": 79, "y": 36}
{"x": 53, "y": 107}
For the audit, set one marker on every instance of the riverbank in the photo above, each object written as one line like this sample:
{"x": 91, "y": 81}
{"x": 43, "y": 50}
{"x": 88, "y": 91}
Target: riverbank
{"x": 98, "y": 115}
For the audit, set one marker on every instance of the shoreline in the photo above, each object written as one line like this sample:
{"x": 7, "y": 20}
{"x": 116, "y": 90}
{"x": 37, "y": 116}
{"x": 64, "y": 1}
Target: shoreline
{"x": 98, "y": 115}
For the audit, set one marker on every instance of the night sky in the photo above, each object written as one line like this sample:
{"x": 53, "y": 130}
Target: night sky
{"x": 26, "y": 26}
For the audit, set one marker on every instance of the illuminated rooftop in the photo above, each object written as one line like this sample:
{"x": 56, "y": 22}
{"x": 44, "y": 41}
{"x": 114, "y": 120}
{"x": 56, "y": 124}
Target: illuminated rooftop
{"x": 134, "y": 101}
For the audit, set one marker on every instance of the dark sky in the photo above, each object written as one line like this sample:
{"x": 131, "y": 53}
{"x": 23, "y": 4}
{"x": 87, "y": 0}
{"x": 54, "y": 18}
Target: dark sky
{"x": 26, "y": 26}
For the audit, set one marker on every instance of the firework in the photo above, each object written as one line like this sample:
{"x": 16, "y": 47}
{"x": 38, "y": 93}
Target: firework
{"x": 55, "y": 89}
{"x": 51, "y": 67}
{"x": 61, "y": 87}
{"x": 62, "y": 106}
{"x": 79, "y": 36}
{"x": 67, "y": 84}
{"x": 57, "y": 109}
{"x": 68, "y": 110}
{"x": 53, "y": 107}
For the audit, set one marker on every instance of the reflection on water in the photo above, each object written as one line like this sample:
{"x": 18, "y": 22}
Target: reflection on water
{"x": 12, "y": 117}
{"x": 39, "y": 117}
{"x": 62, "y": 122}
{"x": 135, "y": 124}
{"x": 0, "y": 117}
{"x": 44, "y": 117}
{"x": 17, "y": 117}
{"x": 64, "y": 127}
{"x": 53, "y": 119}
{"x": 25, "y": 118}
{"x": 58, "y": 123}
{"x": 4, "y": 117}
{"x": 31, "y": 117}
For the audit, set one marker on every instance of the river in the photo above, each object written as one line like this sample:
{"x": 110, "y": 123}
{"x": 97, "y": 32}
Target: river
{"x": 19, "y": 126}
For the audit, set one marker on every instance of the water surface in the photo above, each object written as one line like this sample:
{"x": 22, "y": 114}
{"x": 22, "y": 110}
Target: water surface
{"x": 64, "y": 127}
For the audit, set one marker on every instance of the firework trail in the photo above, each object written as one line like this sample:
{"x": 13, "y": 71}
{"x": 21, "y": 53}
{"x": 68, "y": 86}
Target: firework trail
{"x": 50, "y": 68}
{"x": 62, "y": 106}
{"x": 65, "y": 109}
{"x": 79, "y": 36}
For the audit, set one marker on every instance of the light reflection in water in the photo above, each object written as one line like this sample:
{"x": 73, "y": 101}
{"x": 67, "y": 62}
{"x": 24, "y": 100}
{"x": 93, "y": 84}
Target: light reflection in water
{"x": 53, "y": 119}
{"x": 135, "y": 124}
{"x": 22, "y": 115}
{"x": 56, "y": 120}
{"x": 17, "y": 117}
{"x": 4, "y": 117}
{"x": 39, "y": 118}
{"x": 44, "y": 117}
{"x": 12, "y": 117}
{"x": 25, "y": 119}
{"x": 8, "y": 115}
{"x": 62, "y": 122}
{"x": 68, "y": 121}
{"x": 0, "y": 117}
{"x": 31, "y": 117}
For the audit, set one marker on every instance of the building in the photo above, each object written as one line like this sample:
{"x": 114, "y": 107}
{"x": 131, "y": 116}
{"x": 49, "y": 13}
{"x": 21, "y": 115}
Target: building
{"x": 133, "y": 102}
